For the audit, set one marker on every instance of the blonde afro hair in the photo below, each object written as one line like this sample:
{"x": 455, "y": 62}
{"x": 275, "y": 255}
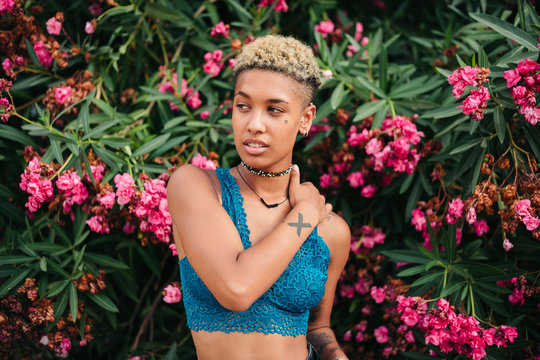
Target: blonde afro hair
{"x": 283, "y": 54}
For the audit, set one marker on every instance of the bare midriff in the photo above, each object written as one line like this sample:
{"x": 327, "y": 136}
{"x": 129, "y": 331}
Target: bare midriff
{"x": 218, "y": 345}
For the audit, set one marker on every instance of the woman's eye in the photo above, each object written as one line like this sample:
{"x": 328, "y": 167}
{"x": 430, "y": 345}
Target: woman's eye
{"x": 242, "y": 106}
{"x": 274, "y": 110}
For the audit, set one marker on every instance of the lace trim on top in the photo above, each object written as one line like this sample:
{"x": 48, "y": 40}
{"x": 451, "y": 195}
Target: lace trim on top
{"x": 283, "y": 308}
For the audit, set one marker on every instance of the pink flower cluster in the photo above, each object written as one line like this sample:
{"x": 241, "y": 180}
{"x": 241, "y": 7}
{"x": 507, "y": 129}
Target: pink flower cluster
{"x": 369, "y": 237}
{"x": 98, "y": 223}
{"x": 202, "y": 162}
{"x": 455, "y": 211}
{"x": 192, "y": 99}
{"x": 43, "y": 55}
{"x": 399, "y": 153}
{"x": 475, "y": 103}
{"x": 363, "y": 40}
{"x": 39, "y": 187}
{"x": 151, "y": 208}
{"x": 6, "y": 5}
{"x": 451, "y": 331}
{"x": 70, "y": 184}
{"x": 62, "y": 94}
{"x": 524, "y": 83}
{"x": 517, "y": 297}
{"x": 54, "y": 26}
{"x": 5, "y": 108}
{"x": 213, "y": 63}
{"x": 325, "y": 28}
{"x": 220, "y": 29}
{"x": 125, "y": 189}
{"x": 522, "y": 210}
{"x": 172, "y": 294}
{"x": 280, "y": 6}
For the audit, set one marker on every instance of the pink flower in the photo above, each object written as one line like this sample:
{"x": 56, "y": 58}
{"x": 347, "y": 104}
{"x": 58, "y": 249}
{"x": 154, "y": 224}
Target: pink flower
{"x": 7, "y": 64}
{"x": 516, "y": 297}
{"x": 531, "y": 223}
{"x": 374, "y": 146}
{"x": 54, "y": 26}
{"x": 95, "y": 9}
{"x": 220, "y": 29}
{"x": 327, "y": 74}
{"x": 359, "y": 28}
{"x": 205, "y": 114}
{"x": 172, "y": 247}
{"x": 471, "y": 215}
{"x": 368, "y": 191}
{"x": 97, "y": 224}
{"x": 381, "y": 334}
{"x": 173, "y": 294}
{"x": 6, "y": 5}
{"x": 65, "y": 346}
{"x": 455, "y": 211}
{"x": 347, "y": 336}
{"x": 522, "y": 207}
{"x": 531, "y": 114}
{"x": 418, "y": 220}
{"x": 512, "y": 78}
{"x": 128, "y": 228}
{"x": 42, "y": 54}
{"x": 202, "y": 162}
{"x": 124, "y": 188}
{"x": 232, "y": 63}
{"x": 61, "y": 94}
{"x": 89, "y": 28}
{"x": 409, "y": 336}
{"x": 107, "y": 200}
{"x": 19, "y": 60}
{"x": 481, "y": 227}
{"x": 507, "y": 245}
{"x": 355, "y": 179}
{"x": 281, "y": 6}
{"x": 324, "y": 181}
{"x": 325, "y": 28}
{"x": 378, "y": 294}
{"x": 213, "y": 65}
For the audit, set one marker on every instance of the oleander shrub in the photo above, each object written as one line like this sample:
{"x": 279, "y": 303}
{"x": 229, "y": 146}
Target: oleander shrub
{"x": 426, "y": 141}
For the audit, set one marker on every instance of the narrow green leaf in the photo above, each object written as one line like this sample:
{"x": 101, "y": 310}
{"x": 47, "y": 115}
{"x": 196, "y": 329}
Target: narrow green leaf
{"x": 14, "y": 259}
{"x": 383, "y": 68}
{"x": 103, "y": 301}
{"x": 43, "y": 264}
{"x": 464, "y": 147}
{"x": 56, "y": 287}
{"x": 498, "y": 119}
{"x": 105, "y": 260}
{"x": 73, "y": 300}
{"x": 507, "y": 30}
{"x": 13, "y": 281}
{"x": 406, "y": 255}
{"x": 10, "y": 133}
{"x": 60, "y": 305}
{"x": 415, "y": 270}
{"x": 151, "y": 145}
{"x": 337, "y": 96}
{"x": 100, "y": 129}
{"x": 171, "y": 354}
{"x": 452, "y": 288}
{"x": 427, "y": 279}
{"x": 370, "y": 86}
{"x": 367, "y": 109}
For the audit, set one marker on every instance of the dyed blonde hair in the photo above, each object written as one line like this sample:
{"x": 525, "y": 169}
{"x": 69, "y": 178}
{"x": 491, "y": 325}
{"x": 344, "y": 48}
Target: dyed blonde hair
{"x": 285, "y": 55}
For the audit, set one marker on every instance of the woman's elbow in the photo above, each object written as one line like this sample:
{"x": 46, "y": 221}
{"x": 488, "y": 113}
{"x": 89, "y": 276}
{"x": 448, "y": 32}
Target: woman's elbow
{"x": 236, "y": 299}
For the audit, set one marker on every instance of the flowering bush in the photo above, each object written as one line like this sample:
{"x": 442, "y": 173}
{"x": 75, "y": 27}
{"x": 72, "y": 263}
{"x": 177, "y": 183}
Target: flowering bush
{"x": 100, "y": 103}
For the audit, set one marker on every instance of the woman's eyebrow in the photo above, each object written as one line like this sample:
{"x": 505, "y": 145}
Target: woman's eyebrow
{"x": 272, "y": 101}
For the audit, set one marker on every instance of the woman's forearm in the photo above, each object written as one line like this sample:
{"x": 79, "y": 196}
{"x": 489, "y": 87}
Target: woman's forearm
{"x": 325, "y": 342}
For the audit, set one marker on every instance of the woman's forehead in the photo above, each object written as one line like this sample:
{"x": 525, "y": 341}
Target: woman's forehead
{"x": 267, "y": 84}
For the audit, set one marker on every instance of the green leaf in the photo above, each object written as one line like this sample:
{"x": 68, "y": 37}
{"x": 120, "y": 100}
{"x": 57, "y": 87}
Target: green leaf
{"x": 383, "y": 68}
{"x": 442, "y": 112}
{"x": 171, "y": 354}
{"x": 415, "y": 270}
{"x": 60, "y": 305}
{"x": 109, "y": 157}
{"x": 337, "y": 96}
{"x": 103, "y": 301}
{"x": 507, "y": 30}
{"x": 15, "y": 259}
{"x": 240, "y": 8}
{"x": 370, "y": 86}
{"x": 73, "y": 300}
{"x": 406, "y": 256}
{"x": 13, "y": 281}
{"x": 498, "y": 119}
{"x": 368, "y": 109}
{"x": 105, "y": 260}
{"x": 464, "y": 147}
{"x": 115, "y": 142}
{"x": 152, "y": 144}
{"x": 426, "y": 279}
{"x": 100, "y": 129}
{"x": 56, "y": 287}
{"x": 13, "y": 134}
{"x": 452, "y": 288}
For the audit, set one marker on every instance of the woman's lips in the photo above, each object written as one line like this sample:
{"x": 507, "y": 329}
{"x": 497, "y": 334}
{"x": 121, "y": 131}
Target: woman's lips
{"x": 255, "y": 148}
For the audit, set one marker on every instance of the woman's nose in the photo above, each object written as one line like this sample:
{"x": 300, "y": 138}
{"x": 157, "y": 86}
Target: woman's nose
{"x": 256, "y": 122}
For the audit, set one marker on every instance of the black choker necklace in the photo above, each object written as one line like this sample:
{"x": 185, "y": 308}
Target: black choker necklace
{"x": 264, "y": 173}
{"x": 270, "y": 206}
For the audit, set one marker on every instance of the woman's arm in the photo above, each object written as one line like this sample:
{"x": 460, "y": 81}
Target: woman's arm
{"x": 337, "y": 236}
{"x": 210, "y": 240}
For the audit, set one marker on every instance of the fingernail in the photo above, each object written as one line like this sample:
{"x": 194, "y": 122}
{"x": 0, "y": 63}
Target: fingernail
{"x": 295, "y": 167}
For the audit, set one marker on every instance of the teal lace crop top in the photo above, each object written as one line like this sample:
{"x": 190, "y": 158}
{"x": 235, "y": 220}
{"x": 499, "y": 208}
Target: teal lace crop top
{"x": 283, "y": 308}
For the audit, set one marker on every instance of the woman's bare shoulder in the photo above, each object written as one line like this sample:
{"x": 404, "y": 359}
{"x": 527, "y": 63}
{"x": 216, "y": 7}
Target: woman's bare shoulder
{"x": 336, "y": 233}
{"x": 189, "y": 180}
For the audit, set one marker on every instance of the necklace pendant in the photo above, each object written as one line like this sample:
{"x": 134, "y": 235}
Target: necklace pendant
{"x": 270, "y": 206}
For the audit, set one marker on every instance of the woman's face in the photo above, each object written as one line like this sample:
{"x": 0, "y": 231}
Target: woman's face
{"x": 268, "y": 113}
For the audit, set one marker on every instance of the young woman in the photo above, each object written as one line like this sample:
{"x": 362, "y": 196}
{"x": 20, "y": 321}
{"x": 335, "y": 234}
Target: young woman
{"x": 261, "y": 253}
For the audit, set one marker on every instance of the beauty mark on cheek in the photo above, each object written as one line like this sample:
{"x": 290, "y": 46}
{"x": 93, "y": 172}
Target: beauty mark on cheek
{"x": 285, "y": 121}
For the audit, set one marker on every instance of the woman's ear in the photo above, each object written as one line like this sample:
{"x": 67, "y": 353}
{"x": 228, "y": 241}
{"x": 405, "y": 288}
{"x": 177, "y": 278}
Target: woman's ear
{"x": 306, "y": 119}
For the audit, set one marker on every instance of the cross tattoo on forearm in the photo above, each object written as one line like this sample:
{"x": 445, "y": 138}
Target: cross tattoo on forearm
{"x": 300, "y": 224}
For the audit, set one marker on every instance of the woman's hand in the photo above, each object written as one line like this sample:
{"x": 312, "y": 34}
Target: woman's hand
{"x": 306, "y": 194}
